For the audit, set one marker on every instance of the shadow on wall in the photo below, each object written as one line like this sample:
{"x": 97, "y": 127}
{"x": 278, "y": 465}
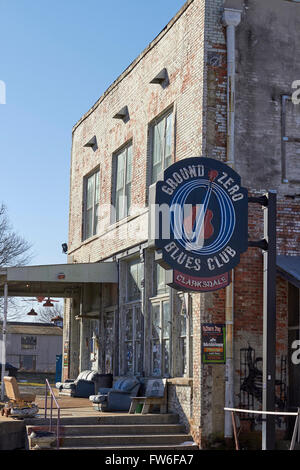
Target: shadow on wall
{"x": 180, "y": 401}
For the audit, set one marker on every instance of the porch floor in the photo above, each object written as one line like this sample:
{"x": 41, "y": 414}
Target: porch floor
{"x": 71, "y": 406}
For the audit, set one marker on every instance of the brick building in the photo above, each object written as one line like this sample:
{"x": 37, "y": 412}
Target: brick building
{"x": 176, "y": 100}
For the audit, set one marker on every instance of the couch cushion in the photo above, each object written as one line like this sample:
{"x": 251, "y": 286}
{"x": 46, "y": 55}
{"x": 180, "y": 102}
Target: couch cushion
{"x": 129, "y": 384}
{"x": 83, "y": 375}
{"x": 118, "y": 384}
{"x": 88, "y": 375}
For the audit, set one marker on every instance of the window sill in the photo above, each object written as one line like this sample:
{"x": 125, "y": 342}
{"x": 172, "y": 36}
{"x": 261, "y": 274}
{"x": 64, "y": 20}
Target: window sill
{"x": 126, "y": 219}
{"x": 181, "y": 381}
{"x": 90, "y": 239}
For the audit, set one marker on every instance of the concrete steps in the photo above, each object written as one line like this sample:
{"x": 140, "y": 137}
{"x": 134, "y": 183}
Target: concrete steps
{"x": 118, "y": 439}
{"x": 117, "y": 419}
{"x": 121, "y": 429}
{"x": 122, "y": 432}
{"x": 187, "y": 446}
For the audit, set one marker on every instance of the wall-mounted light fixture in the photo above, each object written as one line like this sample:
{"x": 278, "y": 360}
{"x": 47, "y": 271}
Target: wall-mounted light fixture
{"x": 32, "y": 312}
{"x": 64, "y": 248}
{"x": 161, "y": 78}
{"x": 122, "y": 114}
{"x": 92, "y": 143}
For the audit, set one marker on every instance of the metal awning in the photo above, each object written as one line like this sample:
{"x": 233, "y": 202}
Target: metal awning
{"x": 289, "y": 268}
{"x": 55, "y": 280}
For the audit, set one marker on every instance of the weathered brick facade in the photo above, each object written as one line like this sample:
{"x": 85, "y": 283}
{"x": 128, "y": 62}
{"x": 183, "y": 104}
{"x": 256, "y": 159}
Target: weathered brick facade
{"x": 193, "y": 49}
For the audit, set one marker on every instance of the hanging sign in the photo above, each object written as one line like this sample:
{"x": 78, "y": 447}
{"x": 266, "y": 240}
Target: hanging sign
{"x": 213, "y": 343}
{"x": 184, "y": 282}
{"x": 199, "y": 222}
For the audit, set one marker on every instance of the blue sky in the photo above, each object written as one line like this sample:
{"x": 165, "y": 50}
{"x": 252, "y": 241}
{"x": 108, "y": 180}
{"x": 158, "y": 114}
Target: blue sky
{"x": 57, "y": 58}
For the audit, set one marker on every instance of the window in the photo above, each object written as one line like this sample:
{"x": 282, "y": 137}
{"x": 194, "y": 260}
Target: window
{"x": 160, "y": 338}
{"x": 109, "y": 335}
{"x": 91, "y": 204}
{"x": 28, "y": 342}
{"x": 134, "y": 280}
{"x": 123, "y": 178}
{"x": 160, "y": 280}
{"x": 185, "y": 362}
{"x": 133, "y": 319}
{"x": 160, "y": 329}
{"x": 133, "y": 340}
{"x": 161, "y": 145}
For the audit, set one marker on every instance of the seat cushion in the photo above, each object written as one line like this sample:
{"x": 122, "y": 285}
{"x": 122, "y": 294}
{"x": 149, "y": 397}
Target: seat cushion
{"x": 27, "y": 396}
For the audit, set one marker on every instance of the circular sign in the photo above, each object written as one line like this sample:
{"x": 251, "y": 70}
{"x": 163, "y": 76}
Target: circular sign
{"x": 201, "y": 217}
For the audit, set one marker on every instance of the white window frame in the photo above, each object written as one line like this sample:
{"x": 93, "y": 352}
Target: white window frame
{"x": 121, "y": 212}
{"x": 135, "y": 307}
{"x": 136, "y": 340}
{"x": 186, "y": 311}
{"x": 159, "y": 301}
{"x": 163, "y": 143}
{"x": 95, "y": 205}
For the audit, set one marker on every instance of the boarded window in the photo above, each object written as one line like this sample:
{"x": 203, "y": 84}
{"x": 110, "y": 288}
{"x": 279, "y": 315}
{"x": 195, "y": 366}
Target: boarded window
{"x": 28, "y": 342}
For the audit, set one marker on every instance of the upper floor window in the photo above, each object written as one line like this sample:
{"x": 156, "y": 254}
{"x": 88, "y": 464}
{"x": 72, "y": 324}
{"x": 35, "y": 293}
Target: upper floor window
{"x": 91, "y": 204}
{"x": 122, "y": 186}
{"x": 161, "y": 135}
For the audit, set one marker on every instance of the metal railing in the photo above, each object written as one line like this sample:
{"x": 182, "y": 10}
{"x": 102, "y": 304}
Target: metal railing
{"x": 296, "y": 432}
{"x": 53, "y": 399}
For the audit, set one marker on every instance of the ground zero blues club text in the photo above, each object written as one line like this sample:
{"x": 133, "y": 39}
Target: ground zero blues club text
{"x": 200, "y": 220}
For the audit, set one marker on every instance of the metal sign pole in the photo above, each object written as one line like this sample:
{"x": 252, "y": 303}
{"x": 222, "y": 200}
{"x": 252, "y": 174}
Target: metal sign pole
{"x": 269, "y": 323}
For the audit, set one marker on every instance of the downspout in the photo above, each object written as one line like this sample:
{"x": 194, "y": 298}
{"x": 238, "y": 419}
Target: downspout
{"x": 231, "y": 19}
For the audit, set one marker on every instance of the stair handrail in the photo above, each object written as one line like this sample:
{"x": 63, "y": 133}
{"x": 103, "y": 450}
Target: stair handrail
{"x": 48, "y": 387}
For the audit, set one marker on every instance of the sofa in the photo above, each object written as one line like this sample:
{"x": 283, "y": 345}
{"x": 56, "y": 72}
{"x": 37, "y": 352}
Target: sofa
{"x": 118, "y": 397}
{"x": 86, "y": 384}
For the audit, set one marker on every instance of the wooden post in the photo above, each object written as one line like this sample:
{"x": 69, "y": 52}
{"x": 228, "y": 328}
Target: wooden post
{"x": 237, "y": 447}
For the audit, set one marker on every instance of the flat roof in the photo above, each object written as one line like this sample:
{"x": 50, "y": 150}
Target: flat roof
{"x": 56, "y": 280}
{"x": 33, "y": 329}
